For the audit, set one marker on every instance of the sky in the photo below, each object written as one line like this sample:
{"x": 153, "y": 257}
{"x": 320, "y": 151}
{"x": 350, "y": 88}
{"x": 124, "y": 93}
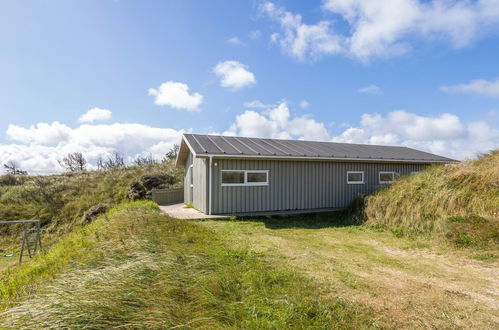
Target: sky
{"x": 99, "y": 76}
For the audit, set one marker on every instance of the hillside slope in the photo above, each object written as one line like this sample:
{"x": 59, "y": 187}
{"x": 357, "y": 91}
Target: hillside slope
{"x": 459, "y": 201}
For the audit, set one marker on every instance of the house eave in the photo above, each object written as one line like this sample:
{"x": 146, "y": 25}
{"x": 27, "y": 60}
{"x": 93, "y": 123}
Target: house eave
{"x": 337, "y": 159}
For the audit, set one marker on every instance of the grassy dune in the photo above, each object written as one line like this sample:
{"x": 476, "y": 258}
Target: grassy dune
{"x": 141, "y": 269}
{"x": 459, "y": 202}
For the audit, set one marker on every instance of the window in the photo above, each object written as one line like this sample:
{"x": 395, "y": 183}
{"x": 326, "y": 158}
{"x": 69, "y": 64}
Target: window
{"x": 245, "y": 177}
{"x": 232, "y": 177}
{"x": 355, "y": 177}
{"x": 386, "y": 177}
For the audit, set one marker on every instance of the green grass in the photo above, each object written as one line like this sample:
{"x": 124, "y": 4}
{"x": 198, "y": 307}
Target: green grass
{"x": 457, "y": 202}
{"x": 144, "y": 269}
{"x": 409, "y": 282}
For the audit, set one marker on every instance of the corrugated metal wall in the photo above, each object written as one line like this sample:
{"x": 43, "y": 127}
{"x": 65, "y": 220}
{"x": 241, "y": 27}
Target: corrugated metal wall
{"x": 168, "y": 196}
{"x": 200, "y": 175}
{"x": 297, "y": 185}
{"x": 187, "y": 168}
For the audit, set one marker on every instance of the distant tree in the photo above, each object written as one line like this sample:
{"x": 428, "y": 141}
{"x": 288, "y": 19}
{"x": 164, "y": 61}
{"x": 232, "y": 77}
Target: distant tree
{"x": 100, "y": 163}
{"x": 11, "y": 167}
{"x": 144, "y": 160}
{"x": 74, "y": 162}
{"x": 172, "y": 154}
{"x": 113, "y": 161}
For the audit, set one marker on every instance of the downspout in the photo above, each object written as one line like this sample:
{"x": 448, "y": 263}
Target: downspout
{"x": 209, "y": 185}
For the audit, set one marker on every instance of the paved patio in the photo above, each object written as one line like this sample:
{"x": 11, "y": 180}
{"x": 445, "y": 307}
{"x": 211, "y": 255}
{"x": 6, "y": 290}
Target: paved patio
{"x": 179, "y": 211}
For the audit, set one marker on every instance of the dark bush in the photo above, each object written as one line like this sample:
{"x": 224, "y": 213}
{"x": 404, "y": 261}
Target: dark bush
{"x": 136, "y": 190}
{"x": 8, "y": 180}
{"x": 157, "y": 181}
{"x": 94, "y": 212}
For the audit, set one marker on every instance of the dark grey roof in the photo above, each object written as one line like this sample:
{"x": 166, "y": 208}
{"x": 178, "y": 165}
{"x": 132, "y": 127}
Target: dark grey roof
{"x": 232, "y": 146}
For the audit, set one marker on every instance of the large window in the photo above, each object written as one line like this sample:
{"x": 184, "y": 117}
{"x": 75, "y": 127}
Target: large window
{"x": 245, "y": 177}
{"x": 386, "y": 177}
{"x": 355, "y": 177}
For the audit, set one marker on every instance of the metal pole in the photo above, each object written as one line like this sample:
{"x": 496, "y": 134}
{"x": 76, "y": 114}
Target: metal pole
{"x": 22, "y": 246}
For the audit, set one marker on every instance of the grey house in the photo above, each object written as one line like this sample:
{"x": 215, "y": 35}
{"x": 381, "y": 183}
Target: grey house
{"x": 238, "y": 175}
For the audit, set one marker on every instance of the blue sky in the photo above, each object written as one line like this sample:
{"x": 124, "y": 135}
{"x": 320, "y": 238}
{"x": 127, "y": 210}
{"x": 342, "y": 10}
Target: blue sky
{"x": 423, "y": 74}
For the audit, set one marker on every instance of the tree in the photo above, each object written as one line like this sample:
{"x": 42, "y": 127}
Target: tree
{"x": 11, "y": 167}
{"x": 172, "y": 154}
{"x": 144, "y": 160}
{"x": 74, "y": 162}
{"x": 115, "y": 160}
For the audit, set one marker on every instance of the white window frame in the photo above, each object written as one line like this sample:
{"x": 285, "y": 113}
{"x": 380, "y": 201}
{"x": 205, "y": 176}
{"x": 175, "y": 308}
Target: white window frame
{"x": 246, "y": 183}
{"x": 386, "y": 172}
{"x": 355, "y": 182}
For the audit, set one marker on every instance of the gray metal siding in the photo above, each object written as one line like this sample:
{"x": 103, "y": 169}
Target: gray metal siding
{"x": 168, "y": 196}
{"x": 187, "y": 166}
{"x": 200, "y": 175}
{"x": 297, "y": 184}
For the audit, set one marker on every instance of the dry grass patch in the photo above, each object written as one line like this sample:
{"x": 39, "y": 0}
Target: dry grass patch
{"x": 407, "y": 282}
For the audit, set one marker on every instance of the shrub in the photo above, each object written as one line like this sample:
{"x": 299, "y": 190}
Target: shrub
{"x": 157, "y": 181}
{"x": 136, "y": 191}
{"x": 94, "y": 212}
{"x": 8, "y": 180}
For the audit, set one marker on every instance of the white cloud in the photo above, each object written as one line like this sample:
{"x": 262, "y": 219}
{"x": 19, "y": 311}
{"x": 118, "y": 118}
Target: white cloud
{"x": 445, "y": 134}
{"x": 301, "y": 40}
{"x": 257, "y": 104}
{"x": 176, "y": 95}
{"x": 39, "y": 147}
{"x": 304, "y": 104}
{"x": 371, "y": 90}
{"x": 95, "y": 114}
{"x": 383, "y": 28}
{"x": 234, "y": 75}
{"x": 41, "y": 133}
{"x": 277, "y": 123}
{"x": 236, "y": 41}
{"x": 477, "y": 86}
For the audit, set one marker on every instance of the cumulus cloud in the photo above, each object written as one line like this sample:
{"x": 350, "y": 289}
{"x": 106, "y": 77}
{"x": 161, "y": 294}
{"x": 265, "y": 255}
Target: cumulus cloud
{"x": 234, "y": 75}
{"x": 371, "y": 90}
{"x": 95, "y": 114}
{"x": 176, "y": 95}
{"x": 383, "y": 28}
{"x": 445, "y": 134}
{"x": 277, "y": 123}
{"x": 38, "y": 148}
{"x": 301, "y": 40}
{"x": 477, "y": 86}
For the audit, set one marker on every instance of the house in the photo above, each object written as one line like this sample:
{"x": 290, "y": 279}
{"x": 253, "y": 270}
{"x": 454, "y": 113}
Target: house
{"x": 240, "y": 175}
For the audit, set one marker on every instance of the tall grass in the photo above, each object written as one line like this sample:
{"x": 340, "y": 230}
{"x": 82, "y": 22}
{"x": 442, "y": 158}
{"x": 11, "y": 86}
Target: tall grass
{"x": 156, "y": 272}
{"x": 60, "y": 201}
{"x": 460, "y": 201}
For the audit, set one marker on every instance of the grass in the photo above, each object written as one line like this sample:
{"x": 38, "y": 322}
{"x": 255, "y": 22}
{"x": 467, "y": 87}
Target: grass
{"x": 60, "y": 201}
{"x": 408, "y": 282}
{"x": 457, "y": 202}
{"x": 144, "y": 269}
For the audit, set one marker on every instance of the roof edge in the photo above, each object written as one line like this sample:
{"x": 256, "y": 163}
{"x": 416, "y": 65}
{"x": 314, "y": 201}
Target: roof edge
{"x": 378, "y": 160}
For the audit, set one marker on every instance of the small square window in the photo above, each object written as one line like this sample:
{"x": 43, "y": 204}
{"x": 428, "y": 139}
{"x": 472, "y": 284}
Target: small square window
{"x": 386, "y": 177}
{"x": 355, "y": 177}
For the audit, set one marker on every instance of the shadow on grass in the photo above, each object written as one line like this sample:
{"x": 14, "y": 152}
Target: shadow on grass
{"x": 303, "y": 221}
